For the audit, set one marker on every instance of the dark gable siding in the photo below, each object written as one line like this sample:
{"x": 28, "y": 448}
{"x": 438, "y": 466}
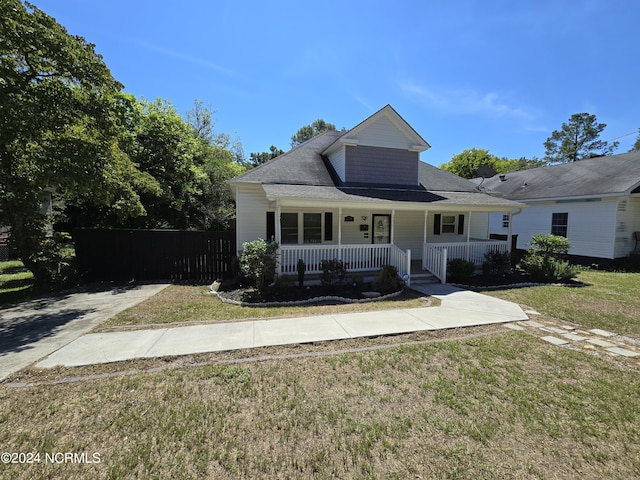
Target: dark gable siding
{"x": 381, "y": 165}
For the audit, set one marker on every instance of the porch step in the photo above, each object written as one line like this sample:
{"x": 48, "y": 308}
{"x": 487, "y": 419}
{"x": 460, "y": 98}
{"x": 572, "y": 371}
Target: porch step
{"x": 423, "y": 277}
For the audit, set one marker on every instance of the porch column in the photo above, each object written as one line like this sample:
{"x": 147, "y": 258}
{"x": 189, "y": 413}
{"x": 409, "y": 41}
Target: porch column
{"x": 393, "y": 214}
{"x": 509, "y": 233}
{"x": 278, "y": 212}
{"x": 340, "y": 226}
{"x": 469, "y": 237}
{"x": 278, "y": 239}
{"x": 426, "y": 215}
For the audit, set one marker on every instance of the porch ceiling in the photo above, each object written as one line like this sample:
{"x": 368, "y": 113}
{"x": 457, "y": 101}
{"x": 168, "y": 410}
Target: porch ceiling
{"x": 400, "y": 199}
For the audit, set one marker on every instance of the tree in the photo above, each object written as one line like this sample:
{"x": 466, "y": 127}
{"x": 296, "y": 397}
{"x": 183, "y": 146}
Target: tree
{"x": 577, "y": 140}
{"x": 636, "y": 146}
{"x": 309, "y": 131}
{"x": 62, "y": 116}
{"x": 467, "y": 163}
{"x": 506, "y": 165}
{"x": 189, "y": 168}
{"x": 259, "y": 158}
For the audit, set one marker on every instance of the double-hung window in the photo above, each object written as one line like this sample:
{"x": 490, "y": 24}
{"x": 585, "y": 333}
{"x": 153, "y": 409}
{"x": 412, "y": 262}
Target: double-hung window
{"x": 559, "y": 222}
{"x": 289, "y": 227}
{"x": 312, "y": 227}
{"x": 448, "y": 224}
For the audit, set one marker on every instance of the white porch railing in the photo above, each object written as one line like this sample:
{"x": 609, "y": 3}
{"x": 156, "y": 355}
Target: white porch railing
{"x": 436, "y": 255}
{"x": 434, "y": 260}
{"x": 357, "y": 258}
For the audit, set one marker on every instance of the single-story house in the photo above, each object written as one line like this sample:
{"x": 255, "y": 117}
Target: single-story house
{"x": 595, "y": 203}
{"x": 364, "y": 196}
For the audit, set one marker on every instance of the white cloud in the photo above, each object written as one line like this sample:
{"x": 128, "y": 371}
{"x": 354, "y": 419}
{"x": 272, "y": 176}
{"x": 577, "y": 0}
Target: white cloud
{"x": 466, "y": 101}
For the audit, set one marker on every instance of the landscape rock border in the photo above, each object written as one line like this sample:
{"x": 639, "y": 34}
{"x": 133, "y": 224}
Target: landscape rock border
{"x": 475, "y": 288}
{"x": 295, "y": 303}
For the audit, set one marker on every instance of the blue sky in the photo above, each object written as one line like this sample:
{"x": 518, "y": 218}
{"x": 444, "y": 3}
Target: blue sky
{"x": 499, "y": 75}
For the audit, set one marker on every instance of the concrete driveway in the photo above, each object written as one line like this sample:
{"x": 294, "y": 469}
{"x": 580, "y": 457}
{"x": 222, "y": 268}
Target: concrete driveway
{"x": 39, "y": 327}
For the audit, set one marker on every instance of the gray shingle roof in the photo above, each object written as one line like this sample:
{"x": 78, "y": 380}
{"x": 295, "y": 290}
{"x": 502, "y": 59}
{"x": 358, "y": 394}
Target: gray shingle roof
{"x": 609, "y": 175}
{"x": 377, "y": 195}
{"x": 302, "y": 173}
{"x": 301, "y": 165}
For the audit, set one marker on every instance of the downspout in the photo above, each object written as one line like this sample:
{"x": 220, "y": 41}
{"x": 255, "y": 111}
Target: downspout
{"x": 509, "y": 233}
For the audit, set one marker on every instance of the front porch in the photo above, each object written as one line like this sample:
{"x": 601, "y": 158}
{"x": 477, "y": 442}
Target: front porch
{"x": 361, "y": 258}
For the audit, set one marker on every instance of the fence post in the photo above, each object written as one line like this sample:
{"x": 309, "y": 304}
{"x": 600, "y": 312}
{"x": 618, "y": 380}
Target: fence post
{"x": 408, "y": 267}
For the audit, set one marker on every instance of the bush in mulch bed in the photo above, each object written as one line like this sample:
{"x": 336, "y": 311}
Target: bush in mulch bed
{"x": 289, "y": 292}
{"x": 510, "y": 280}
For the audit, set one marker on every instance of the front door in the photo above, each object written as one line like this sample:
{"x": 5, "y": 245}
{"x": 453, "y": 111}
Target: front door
{"x": 381, "y": 229}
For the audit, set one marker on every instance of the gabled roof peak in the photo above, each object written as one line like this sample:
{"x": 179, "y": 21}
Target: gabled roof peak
{"x": 417, "y": 143}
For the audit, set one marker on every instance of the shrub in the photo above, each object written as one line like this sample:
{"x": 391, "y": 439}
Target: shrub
{"x": 460, "y": 270}
{"x": 258, "y": 262}
{"x": 543, "y": 260}
{"x": 496, "y": 263}
{"x": 301, "y": 268}
{"x": 388, "y": 280}
{"x": 333, "y": 273}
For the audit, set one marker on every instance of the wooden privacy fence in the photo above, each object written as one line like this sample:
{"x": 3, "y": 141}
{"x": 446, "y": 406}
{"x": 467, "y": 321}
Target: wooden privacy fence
{"x": 123, "y": 254}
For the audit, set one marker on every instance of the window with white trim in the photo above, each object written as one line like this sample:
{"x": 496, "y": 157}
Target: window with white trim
{"x": 312, "y": 227}
{"x": 559, "y": 223}
{"x": 505, "y": 221}
{"x": 289, "y": 228}
{"x": 448, "y": 224}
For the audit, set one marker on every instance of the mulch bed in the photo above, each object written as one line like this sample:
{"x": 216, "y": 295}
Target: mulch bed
{"x": 291, "y": 293}
{"x": 512, "y": 280}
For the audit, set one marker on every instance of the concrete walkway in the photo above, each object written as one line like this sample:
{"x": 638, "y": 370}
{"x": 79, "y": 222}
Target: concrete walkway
{"x": 459, "y": 308}
{"x": 39, "y": 327}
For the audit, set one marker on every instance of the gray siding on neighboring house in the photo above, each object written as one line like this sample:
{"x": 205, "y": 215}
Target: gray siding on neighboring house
{"x": 377, "y": 164}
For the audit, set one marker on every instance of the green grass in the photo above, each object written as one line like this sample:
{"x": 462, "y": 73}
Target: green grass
{"x": 16, "y": 282}
{"x": 609, "y": 301}
{"x": 506, "y": 406}
{"x": 181, "y": 303}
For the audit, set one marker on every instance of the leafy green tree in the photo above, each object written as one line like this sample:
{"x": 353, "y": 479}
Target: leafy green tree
{"x": 577, "y": 140}
{"x": 309, "y": 131}
{"x": 506, "y": 165}
{"x": 62, "y": 116}
{"x": 467, "y": 163}
{"x": 191, "y": 166}
{"x": 263, "y": 157}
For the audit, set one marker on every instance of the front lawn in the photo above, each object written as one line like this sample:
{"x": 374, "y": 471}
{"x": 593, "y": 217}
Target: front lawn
{"x": 500, "y": 406}
{"x": 609, "y": 300}
{"x": 181, "y": 304}
{"x": 16, "y": 282}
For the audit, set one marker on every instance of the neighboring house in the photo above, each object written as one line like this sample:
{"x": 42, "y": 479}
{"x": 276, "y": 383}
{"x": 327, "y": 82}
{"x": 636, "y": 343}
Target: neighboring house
{"x": 365, "y": 197}
{"x": 595, "y": 203}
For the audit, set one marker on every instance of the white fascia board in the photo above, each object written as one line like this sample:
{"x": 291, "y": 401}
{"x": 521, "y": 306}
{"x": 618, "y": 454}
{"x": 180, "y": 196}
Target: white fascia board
{"x": 579, "y": 198}
{"x": 414, "y": 206}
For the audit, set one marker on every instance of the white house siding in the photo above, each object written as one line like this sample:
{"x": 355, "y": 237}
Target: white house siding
{"x": 337, "y": 160}
{"x": 351, "y": 233}
{"x": 383, "y": 133}
{"x": 627, "y": 223}
{"x": 409, "y": 232}
{"x": 479, "y": 225}
{"x": 251, "y": 205}
{"x": 590, "y": 230}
